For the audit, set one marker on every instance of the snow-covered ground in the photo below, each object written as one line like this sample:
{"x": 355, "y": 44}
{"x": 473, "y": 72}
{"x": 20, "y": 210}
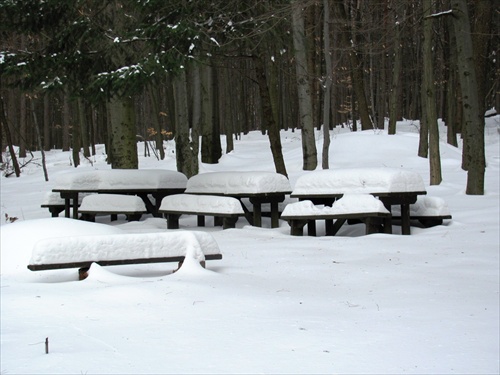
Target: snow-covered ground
{"x": 423, "y": 304}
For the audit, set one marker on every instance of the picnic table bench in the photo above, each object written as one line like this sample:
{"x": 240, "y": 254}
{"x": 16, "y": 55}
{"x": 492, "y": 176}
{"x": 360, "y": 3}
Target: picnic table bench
{"x": 259, "y": 187}
{"x": 364, "y": 208}
{"x": 112, "y": 204}
{"x": 225, "y": 209}
{"x": 391, "y": 185}
{"x": 428, "y": 211}
{"x": 145, "y": 183}
{"x": 122, "y": 249}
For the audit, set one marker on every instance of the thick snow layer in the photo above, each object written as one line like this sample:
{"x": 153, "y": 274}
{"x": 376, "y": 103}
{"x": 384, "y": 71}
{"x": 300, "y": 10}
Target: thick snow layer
{"x": 357, "y": 181}
{"x": 55, "y": 198}
{"x": 348, "y": 204}
{"x": 123, "y": 246}
{"x": 248, "y": 182}
{"x": 426, "y": 206}
{"x": 201, "y": 203}
{"x": 122, "y": 179}
{"x": 112, "y": 203}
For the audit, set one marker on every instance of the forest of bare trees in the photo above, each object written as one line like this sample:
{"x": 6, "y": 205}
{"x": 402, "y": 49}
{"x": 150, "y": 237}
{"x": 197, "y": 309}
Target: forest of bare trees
{"x": 76, "y": 74}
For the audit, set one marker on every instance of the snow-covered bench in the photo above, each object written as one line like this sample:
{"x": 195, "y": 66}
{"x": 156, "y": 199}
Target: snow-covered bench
{"x": 112, "y": 204}
{"x": 362, "y": 207}
{"x": 120, "y": 249}
{"x": 55, "y": 203}
{"x": 227, "y": 209}
{"x": 429, "y": 211}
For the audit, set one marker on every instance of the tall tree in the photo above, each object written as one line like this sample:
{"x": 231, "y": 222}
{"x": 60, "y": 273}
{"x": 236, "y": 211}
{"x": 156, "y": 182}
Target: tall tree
{"x": 309, "y": 153}
{"x": 473, "y": 118}
{"x": 429, "y": 96}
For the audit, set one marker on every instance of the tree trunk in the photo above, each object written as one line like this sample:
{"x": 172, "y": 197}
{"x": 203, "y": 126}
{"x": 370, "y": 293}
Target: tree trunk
{"x": 210, "y": 145}
{"x": 310, "y": 156}
{"x": 187, "y": 156}
{"x": 268, "y": 118}
{"x": 39, "y": 139}
{"x": 429, "y": 96}
{"x": 123, "y": 145}
{"x": 328, "y": 85}
{"x": 6, "y": 129}
{"x": 474, "y": 119}
{"x": 396, "y": 75}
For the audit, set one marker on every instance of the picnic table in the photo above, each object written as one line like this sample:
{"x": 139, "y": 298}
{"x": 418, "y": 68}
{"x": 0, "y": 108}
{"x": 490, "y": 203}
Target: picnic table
{"x": 259, "y": 187}
{"x": 391, "y": 185}
{"x": 157, "y": 183}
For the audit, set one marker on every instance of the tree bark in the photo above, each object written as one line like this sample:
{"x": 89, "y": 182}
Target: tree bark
{"x": 309, "y": 153}
{"x": 473, "y": 118}
{"x": 396, "y": 74}
{"x": 429, "y": 96}
{"x": 268, "y": 118}
{"x": 186, "y": 155}
{"x": 6, "y": 129}
{"x": 328, "y": 85}
{"x": 123, "y": 143}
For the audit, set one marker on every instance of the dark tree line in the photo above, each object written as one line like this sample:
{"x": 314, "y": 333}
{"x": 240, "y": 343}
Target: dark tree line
{"x": 76, "y": 74}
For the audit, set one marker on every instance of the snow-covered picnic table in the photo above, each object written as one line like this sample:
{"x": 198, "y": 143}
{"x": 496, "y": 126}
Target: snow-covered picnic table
{"x": 391, "y": 185}
{"x": 259, "y": 187}
{"x": 141, "y": 182}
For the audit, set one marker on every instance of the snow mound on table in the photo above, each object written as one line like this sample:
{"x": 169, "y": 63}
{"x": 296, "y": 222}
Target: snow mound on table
{"x": 358, "y": 181}
{"x": 201, "y": 203}
{"x": 348, "y": 204}
{"x": 19, "y": 238}
{"x": 249, "y": 182}
{"x": 122, "y": 179}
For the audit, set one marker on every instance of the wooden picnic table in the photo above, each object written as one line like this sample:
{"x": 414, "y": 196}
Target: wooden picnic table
{"x": 157, "y": 183}
{"x": 259, "y": 187}
{"x": 392, "y": 186}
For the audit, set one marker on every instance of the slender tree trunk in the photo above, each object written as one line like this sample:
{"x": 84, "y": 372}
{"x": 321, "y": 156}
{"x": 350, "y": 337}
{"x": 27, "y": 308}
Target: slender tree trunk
{"x": 310, "y": 156}
{"x": 6, "y": 129}
{"x": 328, "y": 85}
{"x": 123, "y": 144}
{"x": 66, "y": 123}
{"x": 186, "y": 155}
{"x": 39, "y": 139}
{"x": 396, "y": 75}
{"x": 429, "y": 94}
{"x": 268, "y": 117}
{"x": 47, "y": 145}
{"x": 474, "y": 119}
{"x": 156, "y": 121}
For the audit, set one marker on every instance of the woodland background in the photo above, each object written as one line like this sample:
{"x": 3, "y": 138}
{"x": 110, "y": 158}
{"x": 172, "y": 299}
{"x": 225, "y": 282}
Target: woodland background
{"x": 86, "y": 72}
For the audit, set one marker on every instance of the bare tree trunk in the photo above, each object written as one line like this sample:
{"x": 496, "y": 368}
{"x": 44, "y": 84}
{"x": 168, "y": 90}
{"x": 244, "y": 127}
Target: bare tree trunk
{"x": 47, "y": 136}
{"x": 396, "y": 73}
{"x": 429, "y": 95}
{"x": 10, "y": 145}
{"x": 268, "y": 118}
{"x": 310, "y": 156}
{"x": 123, "y": 145}
{"x": 39, "y": 139}
{"x": 328, "y": 85}
{"x": 156, "y": 121}
{"x": 187, "y": 156}
{"x": 474, "y": 119}
{"x": 66, "y": 123}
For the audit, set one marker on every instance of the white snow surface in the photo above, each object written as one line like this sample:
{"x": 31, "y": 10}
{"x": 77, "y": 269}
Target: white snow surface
{"x": 111, "y": 179}
{"x": 84, "y": 248}
{"x": 201, "y": 203}
{"x": 112, "y": 203}
{"x": 358, "y": 181}
{"x": 427, "y": 303}
{"x": 231, "y": 182}
{"x": 348, "y": 204}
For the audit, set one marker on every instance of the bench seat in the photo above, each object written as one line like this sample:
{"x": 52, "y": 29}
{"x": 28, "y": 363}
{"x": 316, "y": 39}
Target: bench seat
{"x": 121, "y": 249}
{"x": 55, "y": 203}
{"x": 112, "y": 204}
{"x": 428, "y": 210}
{"x": 356, "y": 207}
{"x": 227, "y": 209}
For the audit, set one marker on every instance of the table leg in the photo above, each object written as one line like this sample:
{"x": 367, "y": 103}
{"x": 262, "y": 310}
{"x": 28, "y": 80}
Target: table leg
{"x": 405, "y": 219}
{"x": 75, "y": 205}
{"x": 257, "y": 214}
{"x": 275, "y": 215}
